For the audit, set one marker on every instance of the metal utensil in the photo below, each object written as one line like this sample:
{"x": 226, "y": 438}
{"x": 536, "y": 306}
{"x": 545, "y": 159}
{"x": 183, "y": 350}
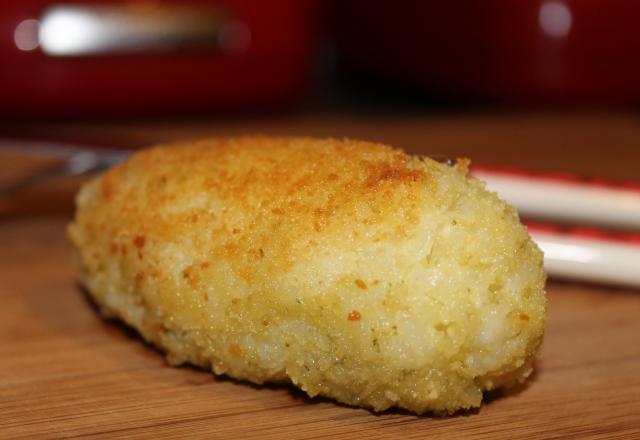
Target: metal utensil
{"x": 71, "y": 160}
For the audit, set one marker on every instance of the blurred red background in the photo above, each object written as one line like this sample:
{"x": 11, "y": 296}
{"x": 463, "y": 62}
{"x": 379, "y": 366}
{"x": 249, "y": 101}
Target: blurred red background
{"x": 263, "y": 54}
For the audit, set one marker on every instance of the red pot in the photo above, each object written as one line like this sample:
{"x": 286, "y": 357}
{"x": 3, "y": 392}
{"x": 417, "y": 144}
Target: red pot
{"x": 125, "y": 57}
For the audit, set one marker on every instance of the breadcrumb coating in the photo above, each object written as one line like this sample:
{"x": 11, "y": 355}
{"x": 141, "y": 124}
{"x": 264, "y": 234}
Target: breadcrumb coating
{"x": 351, "y": 269}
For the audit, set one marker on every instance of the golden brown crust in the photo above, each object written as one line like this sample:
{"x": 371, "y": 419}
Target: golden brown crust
{"x": 350, "y": 268}
{"x": 310, "y": 188}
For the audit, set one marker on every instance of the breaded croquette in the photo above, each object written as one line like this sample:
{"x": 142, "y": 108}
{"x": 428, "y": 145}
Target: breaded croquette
{"x": 351, "y": 269}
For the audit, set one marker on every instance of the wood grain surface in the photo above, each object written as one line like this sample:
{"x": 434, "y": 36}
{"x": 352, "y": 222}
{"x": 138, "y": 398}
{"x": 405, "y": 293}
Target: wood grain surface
{"x": 65, "y": 372}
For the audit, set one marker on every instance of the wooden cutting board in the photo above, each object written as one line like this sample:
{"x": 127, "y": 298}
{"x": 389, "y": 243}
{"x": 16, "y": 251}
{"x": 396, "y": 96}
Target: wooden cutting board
{"x": 65, "y": 372}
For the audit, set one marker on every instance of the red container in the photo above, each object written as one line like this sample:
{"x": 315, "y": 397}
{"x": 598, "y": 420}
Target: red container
{"x": 160, "y": 56}
{"x": 509, "y": 50}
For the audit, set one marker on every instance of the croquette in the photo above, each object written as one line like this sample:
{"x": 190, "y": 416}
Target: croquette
{"x": 350, "y": 269}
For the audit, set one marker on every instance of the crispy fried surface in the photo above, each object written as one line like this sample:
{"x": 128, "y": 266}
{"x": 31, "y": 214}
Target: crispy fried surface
{"x": 349, "y": 268}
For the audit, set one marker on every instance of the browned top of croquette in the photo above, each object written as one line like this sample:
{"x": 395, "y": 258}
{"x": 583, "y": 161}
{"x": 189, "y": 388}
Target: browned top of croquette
{"x": 284, "y": 189}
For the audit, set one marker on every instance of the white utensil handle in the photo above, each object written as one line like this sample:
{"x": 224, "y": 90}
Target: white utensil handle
{"x": 589, "y": 259}
{"x": 574, "y": 202}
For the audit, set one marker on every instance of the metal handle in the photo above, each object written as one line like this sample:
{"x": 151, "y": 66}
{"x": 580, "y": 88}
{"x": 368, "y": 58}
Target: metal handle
{"x": 81, "y": 30}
